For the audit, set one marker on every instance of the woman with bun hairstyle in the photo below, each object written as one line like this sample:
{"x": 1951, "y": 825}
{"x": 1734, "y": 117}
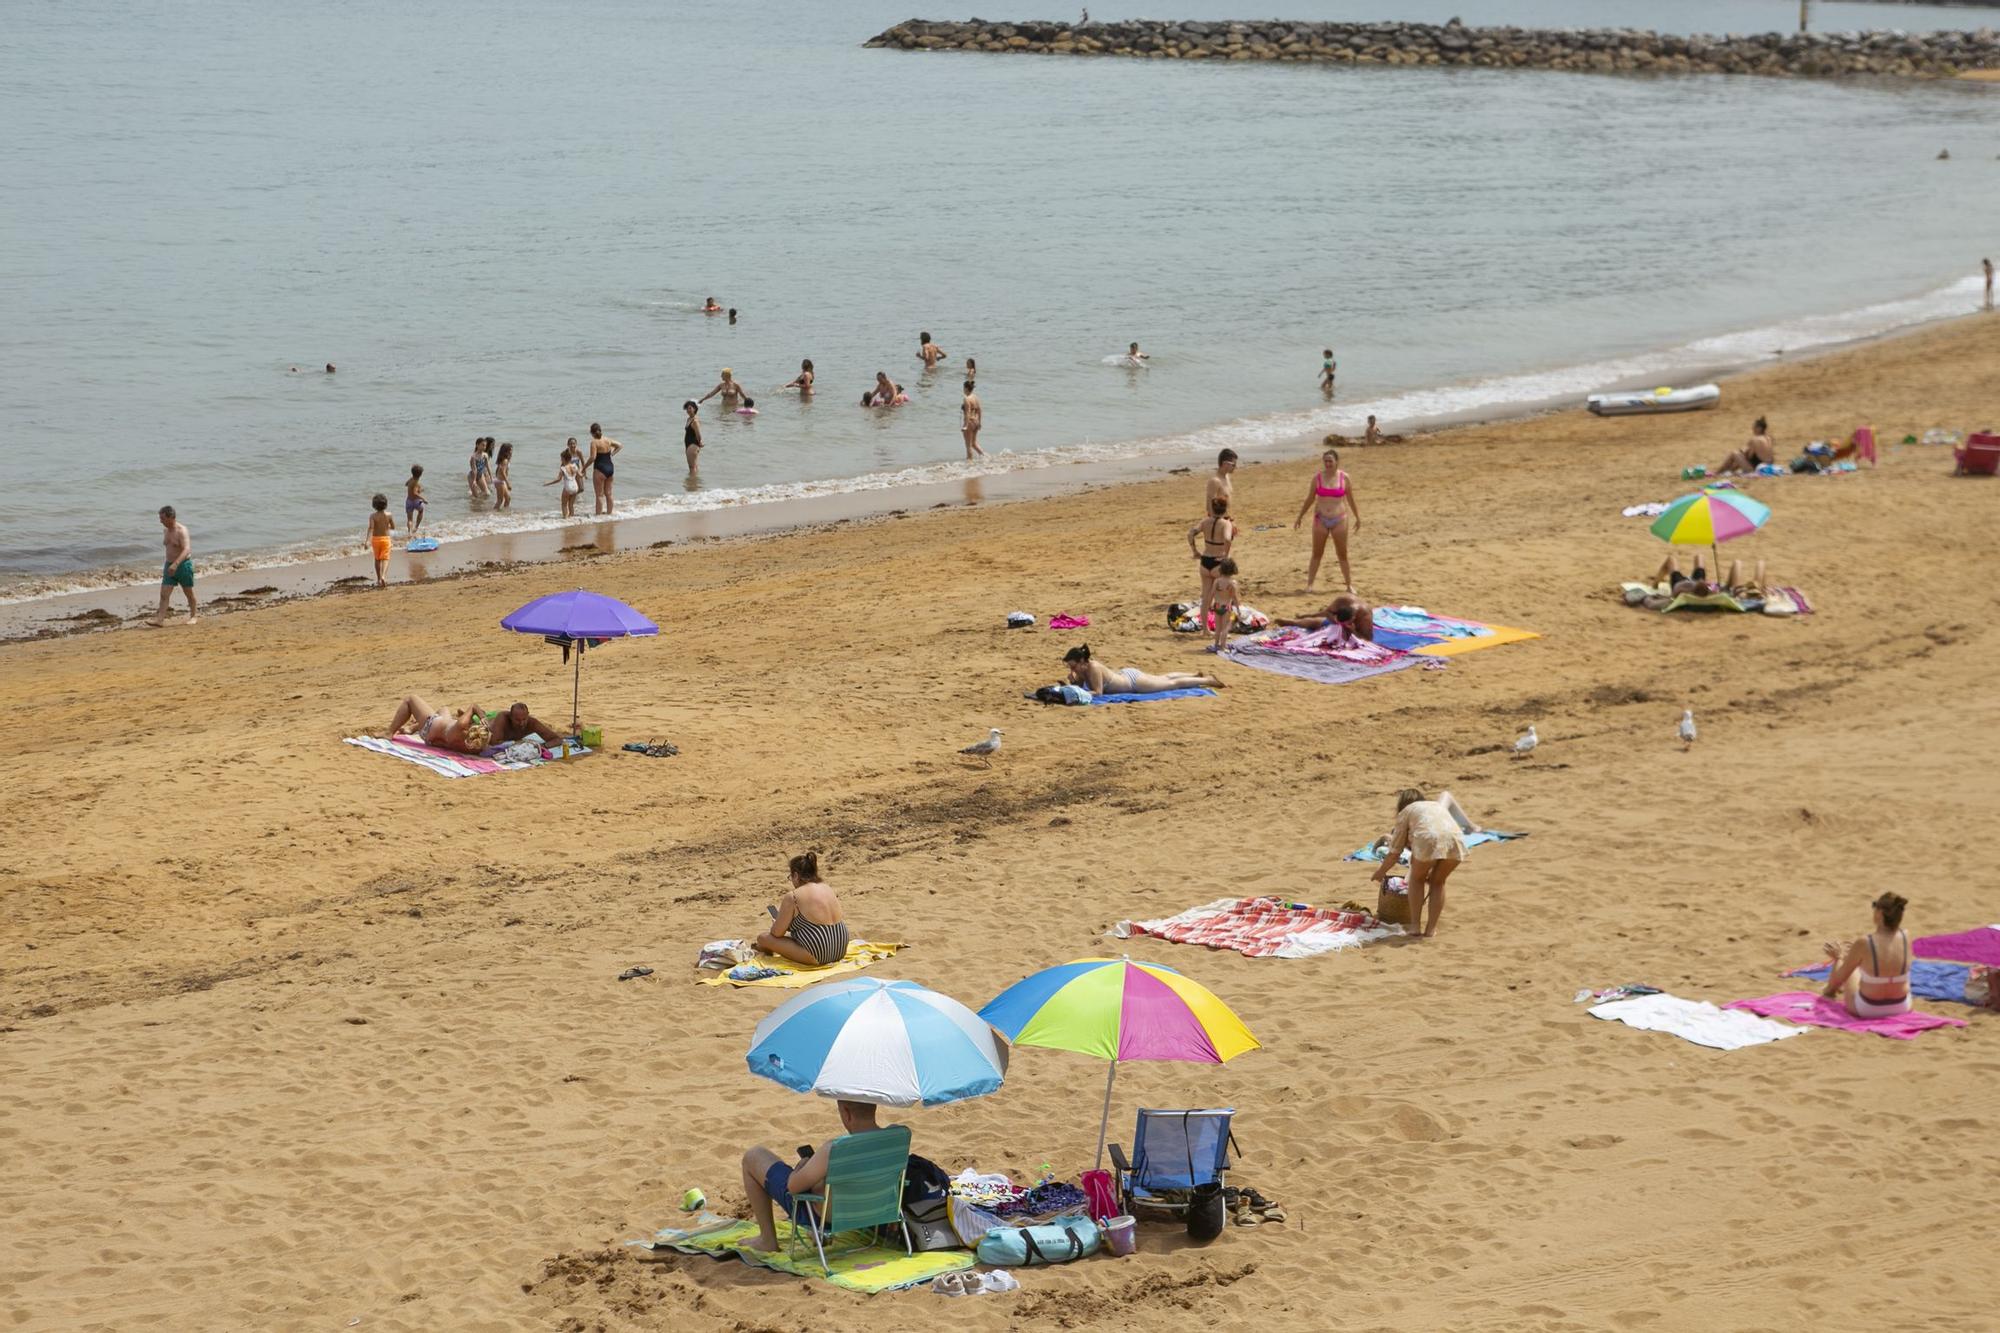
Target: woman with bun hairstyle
{"x": 1100, "y": 679}
{"x": 807, "y": 925}
{"x": 1871, "y": 976}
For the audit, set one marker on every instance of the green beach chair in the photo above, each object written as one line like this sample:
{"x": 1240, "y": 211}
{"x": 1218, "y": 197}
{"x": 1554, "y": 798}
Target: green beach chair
{"x": 863, "y": 1189}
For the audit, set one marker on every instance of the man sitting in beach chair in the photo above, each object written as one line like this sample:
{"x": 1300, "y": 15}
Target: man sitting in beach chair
{"x": 846, "y": 1184}
{"x": 1172, "y": 1152}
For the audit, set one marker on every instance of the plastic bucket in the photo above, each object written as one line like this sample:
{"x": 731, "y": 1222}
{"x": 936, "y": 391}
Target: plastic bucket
{"x": 593, "y": 737}
{"x": 1121, "y": 1233}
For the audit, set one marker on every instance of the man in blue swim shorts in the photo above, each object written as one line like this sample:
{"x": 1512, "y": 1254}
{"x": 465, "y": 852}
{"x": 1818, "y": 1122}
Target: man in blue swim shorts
{"x": 179, "y": 569}
{"x": 771, "y": 1182}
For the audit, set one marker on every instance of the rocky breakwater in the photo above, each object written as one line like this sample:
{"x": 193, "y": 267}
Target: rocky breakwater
{"x": 1590, "y": 50}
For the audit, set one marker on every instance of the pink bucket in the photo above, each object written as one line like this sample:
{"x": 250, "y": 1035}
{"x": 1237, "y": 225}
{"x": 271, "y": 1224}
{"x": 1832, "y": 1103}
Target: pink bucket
{"x": 1121, "y": 1233}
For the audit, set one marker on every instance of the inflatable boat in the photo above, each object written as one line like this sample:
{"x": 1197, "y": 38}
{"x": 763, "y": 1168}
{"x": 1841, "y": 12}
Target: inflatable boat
{"x": 1647, "y": 402}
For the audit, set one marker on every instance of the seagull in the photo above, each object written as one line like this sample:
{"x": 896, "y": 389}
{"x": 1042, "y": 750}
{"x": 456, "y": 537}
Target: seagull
{"x": 1687, "y": 727}
{"x": 1526, "y": 744}
{"x": 987, "y": 748}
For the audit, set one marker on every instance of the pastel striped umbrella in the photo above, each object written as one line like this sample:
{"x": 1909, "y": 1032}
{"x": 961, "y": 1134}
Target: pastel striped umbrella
{"x": 893, "y": 1043}
{"x": 1708, "y": 517}
{"x": 1119, "y": 1010}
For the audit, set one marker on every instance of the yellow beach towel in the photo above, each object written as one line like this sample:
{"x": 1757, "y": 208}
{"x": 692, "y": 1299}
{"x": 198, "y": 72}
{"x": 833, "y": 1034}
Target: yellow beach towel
{"x": 868, "y": 1268}
{"x": 793, "y": 976}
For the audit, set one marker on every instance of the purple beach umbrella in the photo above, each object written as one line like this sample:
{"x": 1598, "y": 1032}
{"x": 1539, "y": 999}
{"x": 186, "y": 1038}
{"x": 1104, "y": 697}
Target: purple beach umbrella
{"x": 578, "y": 619}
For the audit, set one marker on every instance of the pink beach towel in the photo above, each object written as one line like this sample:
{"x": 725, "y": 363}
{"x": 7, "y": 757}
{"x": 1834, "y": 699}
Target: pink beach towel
{"x": 1968, "y": 946}
{"x": 1815, "y": 1010}
{"x": 1069, "y": 622}
{"x": 469, "y": 762}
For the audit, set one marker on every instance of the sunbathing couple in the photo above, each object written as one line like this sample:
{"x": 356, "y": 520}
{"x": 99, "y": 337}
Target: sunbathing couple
{"x": 1698, "y": 584}
{"x": 466, "y": 730}
{"x": 1100, "y": 679}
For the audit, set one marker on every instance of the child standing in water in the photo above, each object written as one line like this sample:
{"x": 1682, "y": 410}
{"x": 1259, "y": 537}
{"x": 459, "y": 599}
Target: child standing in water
{"x": 413, "y": 500}
{"x": 1223, "y": 600}
{"x": 970, "y": 417}
{"x": 503, "y": 489}
{"x": 380, "y": 529}
{"x": 569, "y": 474}
{"x": 971, "y": 369}
{"x": 1326, "y": 371}
{"x": 1135, "y": 356}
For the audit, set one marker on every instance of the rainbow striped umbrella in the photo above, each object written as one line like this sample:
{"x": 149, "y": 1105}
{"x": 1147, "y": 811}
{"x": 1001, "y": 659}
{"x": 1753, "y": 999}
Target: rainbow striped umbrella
{"x": 1708, "y": 517}
{"x": 1118, "y": 1010}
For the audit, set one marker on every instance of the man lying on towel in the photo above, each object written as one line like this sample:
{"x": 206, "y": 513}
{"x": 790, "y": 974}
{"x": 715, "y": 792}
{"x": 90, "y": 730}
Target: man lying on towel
{"x": 770, "y": 1182}
{"x": 1345, "y": 610}
{"x": 517, "y": 722}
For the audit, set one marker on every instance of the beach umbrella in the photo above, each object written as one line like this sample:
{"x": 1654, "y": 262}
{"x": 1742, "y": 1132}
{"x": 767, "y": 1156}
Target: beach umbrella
{"x": 892, "y": 1043}
{"x": 1118, "y": 1010}
{"x": 578, "y": 619}
{"x": 1709, "y": 517}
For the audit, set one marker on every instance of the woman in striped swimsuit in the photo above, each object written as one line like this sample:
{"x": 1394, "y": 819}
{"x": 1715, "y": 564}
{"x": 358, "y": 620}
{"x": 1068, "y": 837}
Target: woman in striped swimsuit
{"x": 809, "y": 928}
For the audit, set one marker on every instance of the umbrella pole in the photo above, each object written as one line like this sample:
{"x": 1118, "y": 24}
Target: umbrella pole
{"x": 1104, "y": 1121}
{"x": 576, "y": 692}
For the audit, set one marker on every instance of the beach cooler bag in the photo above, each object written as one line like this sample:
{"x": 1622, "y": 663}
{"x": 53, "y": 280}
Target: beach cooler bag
{"x": 1052, "y": 1243}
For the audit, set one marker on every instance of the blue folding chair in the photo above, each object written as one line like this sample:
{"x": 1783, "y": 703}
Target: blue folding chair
{"x": 1173, "y": 1150}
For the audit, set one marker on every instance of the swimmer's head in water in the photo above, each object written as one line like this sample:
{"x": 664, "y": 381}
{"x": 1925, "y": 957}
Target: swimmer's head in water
{"x": 727, "y": 372}
{"x": 1408, "y": 796}
{"x": 329, "y": 367}
{"x": 380, "y": 502}
{"x": 1225, "y": 459}
{"x": 806, "y": 364}
{"x": 868, "y": 398}
{"x": 748, "y": 401}
{"x": 1227, "y": 569}
{"x": 1135, "y": 349}
{"x": 1080, "y": 653}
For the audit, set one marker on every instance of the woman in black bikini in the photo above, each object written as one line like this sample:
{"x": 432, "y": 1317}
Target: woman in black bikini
{"x": 809, "y": 927}
{"x": 1218, "y": 534}
{"x": 691, "y": 434}
{"x": 601, "y": 450}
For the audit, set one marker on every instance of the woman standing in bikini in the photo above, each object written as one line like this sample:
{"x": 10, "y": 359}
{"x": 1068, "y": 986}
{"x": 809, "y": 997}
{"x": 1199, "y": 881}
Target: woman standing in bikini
{"x": 1217, "y": 534}
{"x": 804, "y": 380}
{"x": 503, "y": 483}
{"x": 808, "y": 926}
{"x": 1331, "y": 502}
{"x": 1871, "y": 976}
{"x": 599, "y": 458}
{"x": 731, "y": 391}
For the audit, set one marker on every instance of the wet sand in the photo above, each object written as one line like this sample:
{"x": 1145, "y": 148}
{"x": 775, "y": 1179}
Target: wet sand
{"x": 293, "y": 1035}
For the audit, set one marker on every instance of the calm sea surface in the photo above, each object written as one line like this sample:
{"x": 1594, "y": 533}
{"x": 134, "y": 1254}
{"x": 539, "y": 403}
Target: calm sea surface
{"x": 501, "y": 219}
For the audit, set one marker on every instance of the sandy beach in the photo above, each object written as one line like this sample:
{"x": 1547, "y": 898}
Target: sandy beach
{"x": 297, "y": 1036}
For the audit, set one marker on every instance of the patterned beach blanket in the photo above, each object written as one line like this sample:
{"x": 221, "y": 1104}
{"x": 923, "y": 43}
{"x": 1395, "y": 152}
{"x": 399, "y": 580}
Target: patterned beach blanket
{"x": 870, "y": 1268}
{"x": 447, "y": 763}
{"x": 1318, "y": 655}
{"x": 1928, "y": 980}
{"x": 1815, "y": 1010}
{"x": 1263, "y": 928}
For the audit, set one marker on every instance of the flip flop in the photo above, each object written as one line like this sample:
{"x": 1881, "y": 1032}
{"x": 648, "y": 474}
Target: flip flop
{"x": 632, "y": 972}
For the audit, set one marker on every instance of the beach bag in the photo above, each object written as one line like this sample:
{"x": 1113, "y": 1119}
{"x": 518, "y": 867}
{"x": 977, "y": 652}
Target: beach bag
{"x": 1102, "y": 1193}
{"x": 1053, "y": 1243}
{"x": 929, "y": 1221}
{"x": 1206, "y": 1212}
{"x": 923, "y": 1180}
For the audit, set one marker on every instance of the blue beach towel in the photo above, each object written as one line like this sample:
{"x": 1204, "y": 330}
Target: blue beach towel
{"x": 1930, "y": 981}
{"x": 1371, "y": 855}
{"x": 1195, "y": 693}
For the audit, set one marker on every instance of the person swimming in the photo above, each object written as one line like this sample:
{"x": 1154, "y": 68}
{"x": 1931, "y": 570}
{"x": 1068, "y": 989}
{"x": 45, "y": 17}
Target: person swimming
{"x": 711, "y": 307}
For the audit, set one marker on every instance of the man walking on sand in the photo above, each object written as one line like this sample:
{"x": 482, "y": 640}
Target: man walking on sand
{"x": 179, "y": 568}
{"x": 969, "y": 420}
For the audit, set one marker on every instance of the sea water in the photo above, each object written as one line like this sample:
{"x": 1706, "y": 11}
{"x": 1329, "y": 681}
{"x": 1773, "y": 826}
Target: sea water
{"x": 502, "y": 218}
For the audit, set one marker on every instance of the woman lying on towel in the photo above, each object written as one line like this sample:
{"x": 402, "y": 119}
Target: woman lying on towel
{"x": 808, "y": 927}
{"x": 1346, "y": 610}
{"x": 1100, "y": 679}
{"x": 1871, "y": 976}
{"x": 461, "y": 730}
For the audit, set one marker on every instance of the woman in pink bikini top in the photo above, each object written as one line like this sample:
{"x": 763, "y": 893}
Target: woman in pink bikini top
{"x": 1334, "y": 513}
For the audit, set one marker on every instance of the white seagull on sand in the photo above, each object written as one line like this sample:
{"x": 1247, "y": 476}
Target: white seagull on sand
{"x": 1687, "y": 726}
{"x": 1526, "y": 744}
{"x": 987, "y": 748}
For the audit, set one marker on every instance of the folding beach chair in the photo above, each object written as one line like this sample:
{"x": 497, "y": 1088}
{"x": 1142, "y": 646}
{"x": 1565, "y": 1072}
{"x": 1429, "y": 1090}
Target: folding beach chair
{"x": 863, "y": 1189}
{"x": 1978, "y": 456}
{"x": 1173, "y": 1151}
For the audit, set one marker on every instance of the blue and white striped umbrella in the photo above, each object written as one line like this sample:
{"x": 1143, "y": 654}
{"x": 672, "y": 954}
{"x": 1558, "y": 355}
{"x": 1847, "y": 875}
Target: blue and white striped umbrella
{"x": 888, "y": 1042}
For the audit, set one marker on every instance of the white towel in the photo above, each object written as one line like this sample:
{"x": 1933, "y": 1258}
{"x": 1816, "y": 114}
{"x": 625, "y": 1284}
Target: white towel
{"x": 1695, "y": 1020}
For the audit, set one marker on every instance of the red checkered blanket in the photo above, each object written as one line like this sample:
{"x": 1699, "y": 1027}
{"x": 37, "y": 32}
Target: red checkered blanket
{"x": 1263, "y": 928}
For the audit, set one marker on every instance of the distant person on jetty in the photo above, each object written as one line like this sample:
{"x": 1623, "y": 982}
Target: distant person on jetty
{"x": 769, "y": 1181}
{"x": 970, "y": 417}
{"x": 1100, "y": 679}
{"x": 1345, "y": 610}
{"x": 691, "y": 434}
{"x": 503, "y": 485}
{"x": 1326, "y": 369}
{"x": 1330, "y": 499}
{"x": 731, "y": 391}
{"x": 601, "y": 451}
{"x": 1209, "y": 542}
{"x": 928, "y": 352}
{"x": 1436, "y": 845}
{"x": 807, "y": 925}
{"x": 1135, "y": 356}
{"x": 1758, "y": 449}
{"x": 711, "y": 306}
{"x": 569, "y": 475}
{"x": 803, "y": 381}
{"x": 1222, "y": 485}
{"x": 460, "y": 730}
{"x": 1871, "y": 975}
{"x": 1985, "y": 264}
{"x": 381, "y": 531}
{"x": 178, "y": 570}
{"x": 1225, "y": 599}
{"x": 413, "y": 501}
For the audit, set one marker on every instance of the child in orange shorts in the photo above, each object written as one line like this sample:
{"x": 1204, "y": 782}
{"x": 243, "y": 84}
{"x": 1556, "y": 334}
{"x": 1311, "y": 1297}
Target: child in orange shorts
{"x": 380, "y": 528}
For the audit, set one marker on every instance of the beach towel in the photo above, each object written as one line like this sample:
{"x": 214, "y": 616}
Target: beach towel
{"x": 1815, "y": 1010}
{"x": 794, "y": 976}
{"x": 1929, "y": 981}
{"x": 1693, "y": 1020}
{"x": 1704, "y": 601}
{"x": 450, "y": 763}
{"x": 1968, "y": 946}
{"x": 1263, "y": 928}
{"x": 1651, "y": 509}
{"x": 867, "y": 1268}
{"x": 1317, "y": 655}
{"x": 1191, "y": 693}
{"x": 1413, "y": 629}
{"x": 1786, "y": 601}
{"x": 1069, "y": 622}
{"x": 1373, "y": 854}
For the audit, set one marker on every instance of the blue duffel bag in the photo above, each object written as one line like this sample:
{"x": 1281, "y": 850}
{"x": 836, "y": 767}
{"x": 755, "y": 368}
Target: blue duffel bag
{"x": 1051, "y": 1243}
